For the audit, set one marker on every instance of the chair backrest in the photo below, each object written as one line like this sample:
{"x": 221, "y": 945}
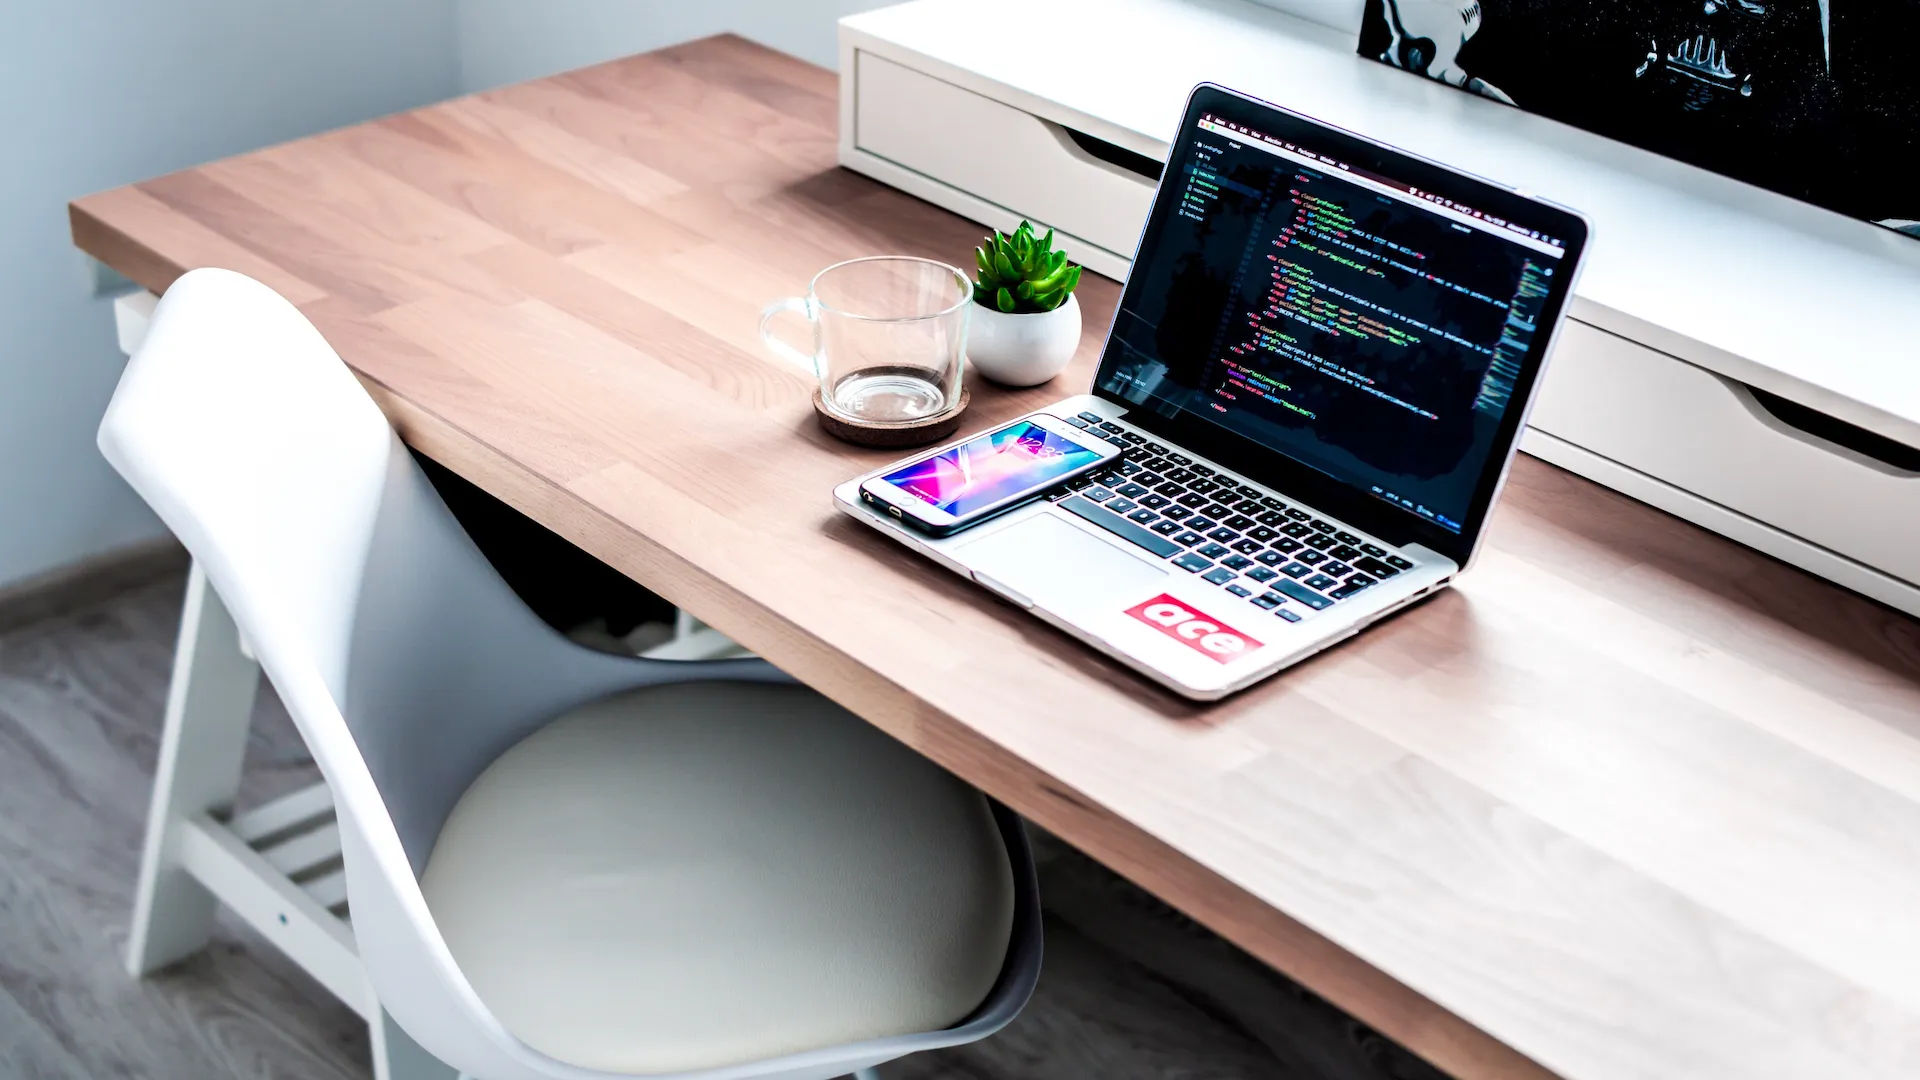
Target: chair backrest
{"x": 406, "y": 663}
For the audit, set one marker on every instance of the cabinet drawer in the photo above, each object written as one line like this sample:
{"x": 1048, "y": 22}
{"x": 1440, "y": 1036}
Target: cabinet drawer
{"x": 1709, "y": 435}
{"x": 998, "y": 153}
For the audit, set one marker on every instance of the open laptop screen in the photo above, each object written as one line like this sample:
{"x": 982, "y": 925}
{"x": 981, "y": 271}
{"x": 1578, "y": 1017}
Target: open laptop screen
{"x": 1370, "y": 322}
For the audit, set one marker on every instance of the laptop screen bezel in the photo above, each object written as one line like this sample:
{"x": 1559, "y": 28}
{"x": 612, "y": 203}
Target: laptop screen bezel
{"x": 1275, "y": 468}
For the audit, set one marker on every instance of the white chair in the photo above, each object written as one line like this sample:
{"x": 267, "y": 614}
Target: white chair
{"x": 558, "y": 863}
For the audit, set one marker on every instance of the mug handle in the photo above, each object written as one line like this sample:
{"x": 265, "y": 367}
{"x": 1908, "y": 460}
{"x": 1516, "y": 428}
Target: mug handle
{"x": 797, "y": 305}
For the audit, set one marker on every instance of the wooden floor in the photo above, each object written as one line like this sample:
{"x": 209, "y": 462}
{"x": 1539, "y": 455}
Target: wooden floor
{"x": 1130, "y": 990}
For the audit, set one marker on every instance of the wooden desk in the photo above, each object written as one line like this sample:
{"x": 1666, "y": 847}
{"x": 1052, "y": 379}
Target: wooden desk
{"x": 1630, "y": 802}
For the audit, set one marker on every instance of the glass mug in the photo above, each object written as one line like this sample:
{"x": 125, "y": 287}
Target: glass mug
{"x": 889, "y": 336}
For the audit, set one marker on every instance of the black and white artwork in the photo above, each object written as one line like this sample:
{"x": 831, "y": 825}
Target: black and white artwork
{"x": 1817, "y": 99}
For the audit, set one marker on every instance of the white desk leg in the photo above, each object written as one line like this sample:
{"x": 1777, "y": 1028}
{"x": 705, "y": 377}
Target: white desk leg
{"x": 397, "y": 1057}
{"x": 209, "y": 708}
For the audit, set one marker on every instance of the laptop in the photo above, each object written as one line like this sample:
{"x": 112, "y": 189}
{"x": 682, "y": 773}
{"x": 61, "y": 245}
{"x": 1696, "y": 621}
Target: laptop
{"x": 1320, "y": 366}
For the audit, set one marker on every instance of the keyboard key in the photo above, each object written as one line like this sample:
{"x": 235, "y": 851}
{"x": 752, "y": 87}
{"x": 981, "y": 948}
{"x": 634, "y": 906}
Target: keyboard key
{"x": 1239, "y": 590}
{"x": 1323, "y": 526}
{"x": 1060, "y": 493}
{"x": 1297, "y": 529}
{"x": 1238, "y": 562}
{"x": 1224, "y": 535}
{"x": 1092, "y": 417}
{"x": 1076, "y": 421}
{"x": 1270, "y": 558}
{"x": 1169, "y": 489}
{"x": 1303, "y": 594}
{"x": 1286, "y": 543}
{"x": 1148, "y": 478}
{"x": 1239, "y": 521}
{"x": 1246, "y": 547}
{"x": 1188, "y": 539}
{"x": 1346, "y": 537}
{"x": 1375, "y": 567}
{"x": 1156, "y": 448}
{"x": 1272, "y": 503}
{"x": 1261, "y": 573}
{"x": 1143, "y": 516}
{"x": 1120, "y": 527}
{"x": 1212, "y": 551}
{"x": 1165, "y": 527}
{"x": 1128, "y": 468}
{"x": 1201, "y": 523}
{"x": 1204, "y": 486}
{"x": 1179, "y": 459}
{"x": 1132, "y": 491}
{"x": 1320, "y": 540}
{"x": 1321, "y": 582}
{"x": 1311, "y": 556}
{"x": 1155, "y": 501}
{"x": 1219, "y": 575}
{"x": 1374, "y": 550}
{"x": 1298, "y": 514}
{"x": 1175, "y": 512}
{"x": 1110, "y": 427}
{"x": 1097, "y": 493}
{"x": 1079, "y": 482}
{"x": 1201, "y": 469}
{"x": 1272, "y": 519}
{"x": 1132, "y": 438}
{"x": 1337, "y": 569}
{"x": 1191, "y": 563}
{"x": 1296, "y": 570}
{"x": 1215, "y": 510}
{"x": 1249, "y": 492}
{"x": 1269, "y": 600}
{"x": 1193, "y": 500}
{"x": 1290, "y": 616}
{"x": 1262, "y": 534}
{"x": 1180, "y": 476}
{"x": 1354, "y": 584}
{"x": 1339, "y": 551}
{"x": 1122, "y": 506}
{"x": 1398, "y": 563}
{"x": 1112, "y": 478}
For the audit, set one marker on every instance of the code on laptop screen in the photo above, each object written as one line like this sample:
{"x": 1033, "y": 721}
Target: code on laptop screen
{"x": 1364, "y": 327}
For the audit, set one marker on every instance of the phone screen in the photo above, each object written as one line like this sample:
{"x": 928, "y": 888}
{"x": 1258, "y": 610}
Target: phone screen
{"x": 983, "y": 471}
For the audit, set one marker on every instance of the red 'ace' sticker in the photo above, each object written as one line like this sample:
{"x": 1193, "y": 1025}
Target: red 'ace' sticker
{"x": 1203, "y": 634}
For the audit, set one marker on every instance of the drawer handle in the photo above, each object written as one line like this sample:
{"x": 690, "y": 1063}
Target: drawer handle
{"x": 1111, "y": 153}
{"x": 1895, "y": 456}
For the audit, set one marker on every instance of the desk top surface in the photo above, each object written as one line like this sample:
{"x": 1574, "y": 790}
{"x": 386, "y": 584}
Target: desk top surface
{"x": 1631, "y": 801}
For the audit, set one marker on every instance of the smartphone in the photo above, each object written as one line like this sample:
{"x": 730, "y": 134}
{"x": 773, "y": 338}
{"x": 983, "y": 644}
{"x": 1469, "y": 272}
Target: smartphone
{"x": 965, "y": 483}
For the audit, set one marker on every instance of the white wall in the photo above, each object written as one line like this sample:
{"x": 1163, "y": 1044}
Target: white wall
{"x": 98, "y": 93}
{"x": 1339, "y": 14}
{"x": 504, "y": 41}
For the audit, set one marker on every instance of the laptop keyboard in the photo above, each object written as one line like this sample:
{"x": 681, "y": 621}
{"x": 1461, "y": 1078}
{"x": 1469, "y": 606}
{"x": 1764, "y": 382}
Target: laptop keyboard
{"x": 1276, "y": 556}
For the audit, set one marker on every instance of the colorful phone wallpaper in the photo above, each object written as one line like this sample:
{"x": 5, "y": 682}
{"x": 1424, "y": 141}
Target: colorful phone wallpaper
{"x": 982, "y": 471}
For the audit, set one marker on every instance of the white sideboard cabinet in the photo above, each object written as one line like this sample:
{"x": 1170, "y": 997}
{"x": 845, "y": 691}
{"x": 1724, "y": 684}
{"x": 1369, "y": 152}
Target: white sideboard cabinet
{"x": 1740, "y": 359}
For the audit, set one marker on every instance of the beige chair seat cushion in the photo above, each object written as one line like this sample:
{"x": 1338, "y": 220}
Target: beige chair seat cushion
{"x": 702, "y": 874}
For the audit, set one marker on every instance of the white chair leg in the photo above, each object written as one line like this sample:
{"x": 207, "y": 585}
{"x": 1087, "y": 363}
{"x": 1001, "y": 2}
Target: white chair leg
{"x": 397, "y": 1057}
{"x": 209, "y": 708}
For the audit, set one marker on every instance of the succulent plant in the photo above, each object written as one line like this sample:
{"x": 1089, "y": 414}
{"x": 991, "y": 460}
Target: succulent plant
{"x": 1021, "y": 274}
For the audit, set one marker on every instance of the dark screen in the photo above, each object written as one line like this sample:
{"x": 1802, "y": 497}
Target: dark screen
{"x": 1364, "y": 328}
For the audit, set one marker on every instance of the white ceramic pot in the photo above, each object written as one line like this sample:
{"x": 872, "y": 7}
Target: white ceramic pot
{"x": 1023, "y": 350}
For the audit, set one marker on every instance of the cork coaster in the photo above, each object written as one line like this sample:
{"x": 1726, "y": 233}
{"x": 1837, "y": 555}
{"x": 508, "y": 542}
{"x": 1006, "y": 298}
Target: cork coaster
{"x": 893, "y": 435}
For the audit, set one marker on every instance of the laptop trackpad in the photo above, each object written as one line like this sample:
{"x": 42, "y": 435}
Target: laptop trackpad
{"x": 1056, "y": 565}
